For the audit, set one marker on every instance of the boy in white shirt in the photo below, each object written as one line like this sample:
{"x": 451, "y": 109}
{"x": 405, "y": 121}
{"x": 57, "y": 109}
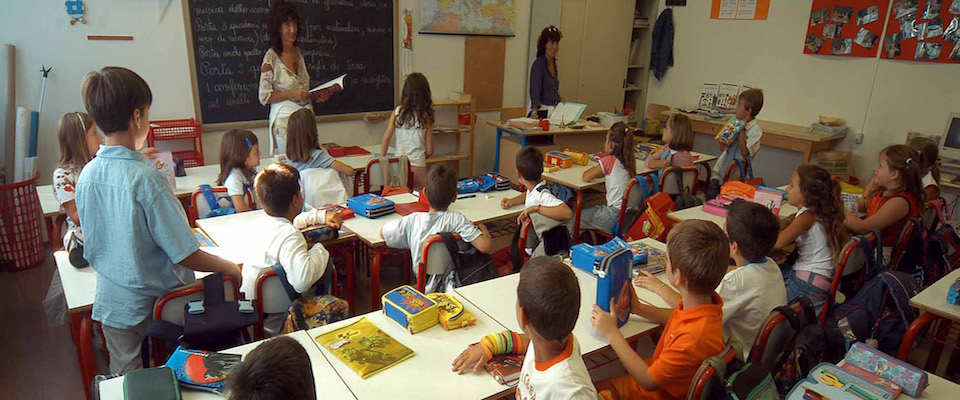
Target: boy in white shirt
{"x": 747, "y": 142}
{"x": 548, "y": 303}
{"x": 536, "y": 198}
{"x": 411, "y": 231}
{"x": 278, "y": 241}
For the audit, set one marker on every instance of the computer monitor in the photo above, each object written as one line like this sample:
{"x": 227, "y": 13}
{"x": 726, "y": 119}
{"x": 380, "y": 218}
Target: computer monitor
{"x": 950, "y": 146}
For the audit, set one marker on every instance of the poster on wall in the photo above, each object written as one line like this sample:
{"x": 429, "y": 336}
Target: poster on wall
{"x": 739, "y": 9}
{"x": 845, "y": 28}
{"x": 923, "y": 30}
{"x": 476, "y": 17}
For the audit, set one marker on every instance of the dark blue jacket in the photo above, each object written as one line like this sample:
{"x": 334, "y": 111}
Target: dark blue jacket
{"x": 661, "y": 56}
{"x": 544, "y": 88}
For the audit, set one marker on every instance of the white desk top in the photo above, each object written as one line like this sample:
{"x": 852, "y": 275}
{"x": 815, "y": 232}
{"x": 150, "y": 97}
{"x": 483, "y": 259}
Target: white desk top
{"x": 232, "y": 232}
{"x": 697, "y": 212}
{"x": 573, "y": 177}
{"x": 328, "y": 384}
{"x": 498, "y": 297}
{"x": 430, "y": 368}
{"x": 481, "y": 208}
{"x": 934, "y": 298}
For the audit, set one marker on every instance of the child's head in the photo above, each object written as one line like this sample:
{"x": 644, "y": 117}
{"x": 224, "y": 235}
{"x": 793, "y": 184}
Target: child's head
{"x": 119, "y": 101}
{"x": 238, "y": 149}
{"x": 752, "y": 229}
{"x": 813, "y": 187}
{"x": 301, "y": 135}
{"x": 678, "y": 133}
{"x": 278, "y": 190}
{"x": 530, "y": 164}
{"x": 620, "y": 144}
{"x": 548, "y": 298}
{"x": 416, "y": 102}
{"x": 441, "y": 186}
{"x": 697, "y": 255}
{"x": 79, "y": 140}
{"x": 928, "y": 151}
{"x": 276, "y": 369}
{"x": 749, "y": 104}
{"x": 899, "y": 169}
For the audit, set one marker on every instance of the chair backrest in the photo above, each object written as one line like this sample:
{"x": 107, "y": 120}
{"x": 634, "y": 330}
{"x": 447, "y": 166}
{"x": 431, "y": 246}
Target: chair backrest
{"x": 169, "y": 307}
{"x": 903, "y": 244}
{"x": 271, "y": 298}
{"x": 373, "y": 175}
{"x": 689, "y": 176}
{"x": 929, "y": 218}
{"x": 200, "y": 208}
{"x": 733, "y": 173}
{"x": 434, "y": 259}
{"x": 322, "y": 186}
{"x": 633, "y": 199}
{"x": 773, "y": 337}
{"x": 706, "y": 382}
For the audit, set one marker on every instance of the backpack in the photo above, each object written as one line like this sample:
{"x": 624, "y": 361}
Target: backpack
{"x": 797, "y": 356}
{"x": 468, "y": 267}
{"x": 215, "y": 209}
{"x": 653, "y": 222}
{"x": 630, "y": 215}
{"x": 313, "y": 311}
{"x": 745, "y": 166}
{"x": 739, "y": 380}
{"x": 880, "y": 310}
{"x": 684, "y": 200}
{"x": 939, "y": 252}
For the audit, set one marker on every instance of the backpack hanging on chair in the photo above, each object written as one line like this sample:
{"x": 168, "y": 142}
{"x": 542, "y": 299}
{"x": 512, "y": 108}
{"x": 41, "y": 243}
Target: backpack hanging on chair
{"x": 653, "y": 222}
{"x": 740, "y": 380}
{"x": 684, "y": 199}
{"x": 880, "y": 310}
{"x": 810, "y": 344}
{"x": 394, "y": 184}
{"x": 467, "y": 267}
{"x": 313, "y": 311}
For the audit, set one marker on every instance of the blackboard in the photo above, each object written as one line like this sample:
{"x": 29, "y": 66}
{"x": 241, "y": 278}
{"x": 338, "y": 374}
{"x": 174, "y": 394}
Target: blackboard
{"x": 229, "y": 39}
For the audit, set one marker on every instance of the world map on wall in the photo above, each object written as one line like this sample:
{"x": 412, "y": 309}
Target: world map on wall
{"x": 468, "y": 17}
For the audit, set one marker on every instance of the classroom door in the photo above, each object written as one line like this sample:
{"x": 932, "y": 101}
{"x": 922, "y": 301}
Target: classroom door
{"x": 604, "y": 51}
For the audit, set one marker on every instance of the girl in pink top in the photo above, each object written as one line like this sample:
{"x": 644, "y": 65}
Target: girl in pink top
{"x": 678, "y": 137}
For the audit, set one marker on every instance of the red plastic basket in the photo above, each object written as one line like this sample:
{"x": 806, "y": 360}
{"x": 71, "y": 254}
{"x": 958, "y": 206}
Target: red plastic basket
{"x": 190, "y": 158}
{"x": 174, "y": 129}
{"x": 21, "y": 232}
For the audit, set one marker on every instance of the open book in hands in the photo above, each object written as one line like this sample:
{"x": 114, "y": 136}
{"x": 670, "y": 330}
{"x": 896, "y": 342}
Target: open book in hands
{"x": 332, "y": 86}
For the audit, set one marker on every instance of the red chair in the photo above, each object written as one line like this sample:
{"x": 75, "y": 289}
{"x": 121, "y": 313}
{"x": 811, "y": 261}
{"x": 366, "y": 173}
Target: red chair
{"x": 941, "y": 331}
{"x": 170, "y": 307}
{"x": 774, "y": 334}
{"x": 707, "y": 382}
{"x": 434, "y": 259}
{"x": 905, "y": 242}
{"x": 733, "y": 173}
{"x": 525, "y": 230}
{"x": 930, "y": 218}
{"x": 688, "y": 176}
{"x": 56, "y": 234}
{"x": 373, "y": 175}
{"x": 850, "y": 272}
{"x": 632, "y": 200}
{"x": 199, "y": 209}
{"x": 273, "y": 299}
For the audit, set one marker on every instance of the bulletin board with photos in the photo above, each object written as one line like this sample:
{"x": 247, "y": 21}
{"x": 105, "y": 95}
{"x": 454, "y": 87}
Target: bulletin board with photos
{"x": 923, "y": 30}
{"x": 846, "y": 28}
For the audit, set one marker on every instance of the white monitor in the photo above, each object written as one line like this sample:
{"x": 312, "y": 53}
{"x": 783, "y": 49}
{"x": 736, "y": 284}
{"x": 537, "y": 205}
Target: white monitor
{"x": 950, "y": 145}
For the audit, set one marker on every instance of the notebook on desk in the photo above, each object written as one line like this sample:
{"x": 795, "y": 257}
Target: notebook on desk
{"x": 566, "y": 113}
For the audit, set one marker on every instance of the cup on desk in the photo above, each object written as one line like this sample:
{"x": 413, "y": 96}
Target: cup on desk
{"x": 545, "y": 124}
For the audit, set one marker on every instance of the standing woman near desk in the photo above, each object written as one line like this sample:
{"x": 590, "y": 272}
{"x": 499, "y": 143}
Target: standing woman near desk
{"x": 284, "y": 80}
{"x": 544, "y": 82}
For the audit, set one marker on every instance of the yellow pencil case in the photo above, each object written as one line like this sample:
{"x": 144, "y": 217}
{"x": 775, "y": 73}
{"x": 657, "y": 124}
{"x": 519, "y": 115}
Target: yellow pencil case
{"x": 411, "y": 309}
{"x": 578, "y": 157}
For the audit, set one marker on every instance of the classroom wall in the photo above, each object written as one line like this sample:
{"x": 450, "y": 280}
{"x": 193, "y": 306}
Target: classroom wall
{"x": 159, "y": 54}
{"x": 882, "y": 99}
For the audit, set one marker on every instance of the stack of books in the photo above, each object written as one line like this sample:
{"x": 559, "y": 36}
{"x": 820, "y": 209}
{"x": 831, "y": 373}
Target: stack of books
{"x": 505, "y": 368}
{"x": 370, "y": 205}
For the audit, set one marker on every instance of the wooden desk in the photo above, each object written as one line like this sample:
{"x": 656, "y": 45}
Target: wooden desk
{"x": 933, "y": 299}
{"x": 328, "y": 384}
{"x": 427, "y": 374}
{"x": 775, "y": 134}
{"x": 498, "y": 297}
{"x": 503, "y": 128}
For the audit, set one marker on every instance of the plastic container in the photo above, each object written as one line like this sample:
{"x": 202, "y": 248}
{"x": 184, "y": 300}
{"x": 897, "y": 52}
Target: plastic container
{"x": 21, "y": 234}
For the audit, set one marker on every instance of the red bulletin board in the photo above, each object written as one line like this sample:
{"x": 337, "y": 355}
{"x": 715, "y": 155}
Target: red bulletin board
{"x": 925, "y": 31}
{"x": 827, "y": 15}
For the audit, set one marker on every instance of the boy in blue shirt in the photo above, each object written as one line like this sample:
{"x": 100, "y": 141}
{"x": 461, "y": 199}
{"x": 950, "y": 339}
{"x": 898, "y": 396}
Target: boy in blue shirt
{"x": 138, "y": 229}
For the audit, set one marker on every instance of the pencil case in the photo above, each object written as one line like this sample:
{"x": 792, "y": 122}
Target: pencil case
{"x": 411, "y": 309}
{"x": 850, "y": 386}
{"x": 613, "y": 282}
{"x": 370, "y": 205}
{"x": 550, "y": 168}
{"x": 587, "y": 257}
{"x": 578, "y": 157}
{"x": 559, "y": 159}
{"x": 720, "y": 204}
{"x": 468, "y": 185}
{"x": 913, "y": 379}
{"x": 730, "y": 129}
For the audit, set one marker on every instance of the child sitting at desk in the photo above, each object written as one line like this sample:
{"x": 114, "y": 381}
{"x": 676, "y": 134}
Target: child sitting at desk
{"x": 239, "y": 158}
{"x": 548, "y": 304}
{"x": 678, "y": 140}
{"x": 746, "y": 143}
{"x": 303, "y": 145}
{"x": 413, "y": 230}
{"x": 697, "y": 254}
{"x": 537, "y": 199}
{"x": 277, "y": 241}
{"x": 278, "y": 368}
{"x": 928, "y": 151}
{"x": 618, "y": 166}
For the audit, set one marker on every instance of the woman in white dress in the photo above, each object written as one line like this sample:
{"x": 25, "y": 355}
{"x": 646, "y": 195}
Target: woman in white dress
{"x": 284, "y": 80}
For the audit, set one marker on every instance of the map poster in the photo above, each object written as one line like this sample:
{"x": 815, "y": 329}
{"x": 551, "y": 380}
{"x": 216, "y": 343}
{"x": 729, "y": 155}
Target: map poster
{"x": 468, "y": 17}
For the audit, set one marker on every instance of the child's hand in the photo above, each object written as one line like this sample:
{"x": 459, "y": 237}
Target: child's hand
{"x": 605, "y": 323}
{"x": 647, "y": 281}
{"x": 334, "y": 219}
{"x": 723, "y": 142}
{"x": 504, "y": 203}
{"x": 473, "y": 356}
{"x": 234, "y": 271}
{"x": 525, "y": 214}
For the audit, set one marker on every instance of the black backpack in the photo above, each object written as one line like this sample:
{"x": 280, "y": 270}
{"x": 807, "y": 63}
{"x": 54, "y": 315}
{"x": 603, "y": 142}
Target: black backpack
{"x": 468, "y": 267}
{"x": 810, "y": 345}
{"x": 880, "y": 310}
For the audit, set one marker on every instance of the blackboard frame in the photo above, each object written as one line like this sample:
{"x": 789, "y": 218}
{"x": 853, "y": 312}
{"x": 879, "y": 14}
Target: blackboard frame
{"x": 365, "y": 116}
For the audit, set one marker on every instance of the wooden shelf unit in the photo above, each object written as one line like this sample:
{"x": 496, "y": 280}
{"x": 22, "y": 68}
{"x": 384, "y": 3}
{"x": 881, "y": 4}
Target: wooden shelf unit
{"x": 461, "y": 107}
{"x": 638, "y": 75}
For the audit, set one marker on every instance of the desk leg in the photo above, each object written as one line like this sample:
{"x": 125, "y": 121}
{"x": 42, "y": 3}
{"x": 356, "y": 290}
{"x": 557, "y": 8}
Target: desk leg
{"x": 82, "y": 324}
{"x": 356, "y": 183}
{"x": 496, "y": 156}
{"x": 523, "y": 141}
{"x": 375, "y": 279}
{"x": 576, "y": 218}
{"x": 50, "y": 222}
{"x": 807, "y": 152}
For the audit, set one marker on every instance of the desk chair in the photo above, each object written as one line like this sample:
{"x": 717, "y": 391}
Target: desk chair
{"x": 909, "y": 241}
{"x": 632, "y": 201}
{"x": 525, "y": 231}
{"x": 939, "y": 326}
{"x": 434, "y": 260}
{"x": 199, "y": 208}
{"x": 322, "y": 186}
{"x": 688, "y": 178}
{"x": 930, "y": 217}
{"x": 169, "y": 307}
{"x": 850, "y": 272}
{"x": 273, "y": 299}
{"x": 708, "y": 382}
{"x": 778, "y": 329}
{"x": 373, "y": 175}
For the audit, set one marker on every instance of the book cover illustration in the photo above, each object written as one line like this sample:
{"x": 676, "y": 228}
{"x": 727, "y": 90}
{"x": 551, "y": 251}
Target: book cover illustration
{"x": 708, "y": 95}
{"x": 505, "y": 368}
{"x": 727, "y": 97}
{"x": 364, "y": 348}
{"x": 201, "y": 369}
{"x": 613, "y": 282}
{"x": 452, "y": 315}
{"x": 203, "y": 239}
{"x": 411, "y": 309}
{"x": 655, "y": 262}
{"x": 163, "y": 162}
{"x": 730, "y": 129}
{"x": 769, "y": 199}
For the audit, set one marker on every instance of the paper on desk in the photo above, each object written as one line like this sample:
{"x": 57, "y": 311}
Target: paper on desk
{"x": 335, "y": 85}
{"x": 566, "y": 113}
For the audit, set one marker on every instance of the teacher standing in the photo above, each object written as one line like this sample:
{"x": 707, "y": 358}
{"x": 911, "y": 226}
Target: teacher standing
{"x": 544, "y": 81}
{"x": 284, "y": 80}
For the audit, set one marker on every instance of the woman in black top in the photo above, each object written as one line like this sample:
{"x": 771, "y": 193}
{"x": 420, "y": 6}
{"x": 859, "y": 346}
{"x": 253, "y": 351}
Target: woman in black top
{"x": 544, "y": 83}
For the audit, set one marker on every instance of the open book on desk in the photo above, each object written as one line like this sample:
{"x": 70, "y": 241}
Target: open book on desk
{"x": 332, "y": 86}
{"x": 566, "y": 113}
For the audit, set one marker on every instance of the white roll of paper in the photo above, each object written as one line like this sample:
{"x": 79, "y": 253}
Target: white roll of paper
{"x": 20, "y": 144}
{"x": 8, "y": 107}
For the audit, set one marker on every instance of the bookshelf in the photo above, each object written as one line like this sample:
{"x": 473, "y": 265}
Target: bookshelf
{"x": 452, "y": 130}
{"x": 637, "y": 74}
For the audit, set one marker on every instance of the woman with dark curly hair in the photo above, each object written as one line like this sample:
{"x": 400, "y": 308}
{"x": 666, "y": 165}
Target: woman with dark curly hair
{"x": 284, "y": 80}
{"x": 544, "y": 82}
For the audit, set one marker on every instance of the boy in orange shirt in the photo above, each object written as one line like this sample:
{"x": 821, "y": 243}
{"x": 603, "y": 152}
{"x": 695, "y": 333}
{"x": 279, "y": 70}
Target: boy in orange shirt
{"x": 697, "y": 254}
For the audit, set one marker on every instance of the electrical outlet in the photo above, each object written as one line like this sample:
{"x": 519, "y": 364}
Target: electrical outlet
{"x": 858, "y": 139}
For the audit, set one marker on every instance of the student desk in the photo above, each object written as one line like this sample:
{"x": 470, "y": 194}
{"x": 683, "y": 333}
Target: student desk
{"x": 498, "y": 298}
{"x": 697, "y": 212}
{"x": 933, "y": 299}
{"x": 571, "y": 137}
{"x": 937, "y": 387}
{"x": 775, "y": 134}
{"x": 483, "y": 207}
{"x": 328, "y": 384}
{"x": 428, "y": 373}
{"x": 573, "y": 178}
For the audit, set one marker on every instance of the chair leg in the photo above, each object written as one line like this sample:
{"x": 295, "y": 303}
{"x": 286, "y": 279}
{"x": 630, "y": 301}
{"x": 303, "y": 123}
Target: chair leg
{"x": 916, "y": 327}
{"x": 576, "y": 218}
{"x": 88, "y": 361}
{"x": 375, "y": 280}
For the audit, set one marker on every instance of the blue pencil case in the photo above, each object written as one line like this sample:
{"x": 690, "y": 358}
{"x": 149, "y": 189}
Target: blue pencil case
{"x": 613, "y": 282}
{"x": 370, "y": 205}
{"x": 469, "y": 185}
{"x": 587, "y": 257}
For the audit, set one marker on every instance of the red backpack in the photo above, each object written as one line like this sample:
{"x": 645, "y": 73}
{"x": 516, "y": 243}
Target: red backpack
{"x": 653, "y": 222}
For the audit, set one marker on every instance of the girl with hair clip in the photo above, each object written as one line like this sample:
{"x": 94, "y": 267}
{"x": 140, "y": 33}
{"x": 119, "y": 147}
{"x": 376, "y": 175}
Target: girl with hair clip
{"x": 239, "y": 158}
{"x": 928, "y": 151}
{"x": 412, "y": 121}
{"x": 678, "y": 140}
{"x": 891, "y": 197}
{"x": 817, "y": 230}
{"x": 79, "y": 142}
{"x": 618, "y": 166}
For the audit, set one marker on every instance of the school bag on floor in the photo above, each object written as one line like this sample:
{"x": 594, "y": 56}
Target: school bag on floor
{"x": 311, "y": 311}
{"x": 880, "y": 310}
